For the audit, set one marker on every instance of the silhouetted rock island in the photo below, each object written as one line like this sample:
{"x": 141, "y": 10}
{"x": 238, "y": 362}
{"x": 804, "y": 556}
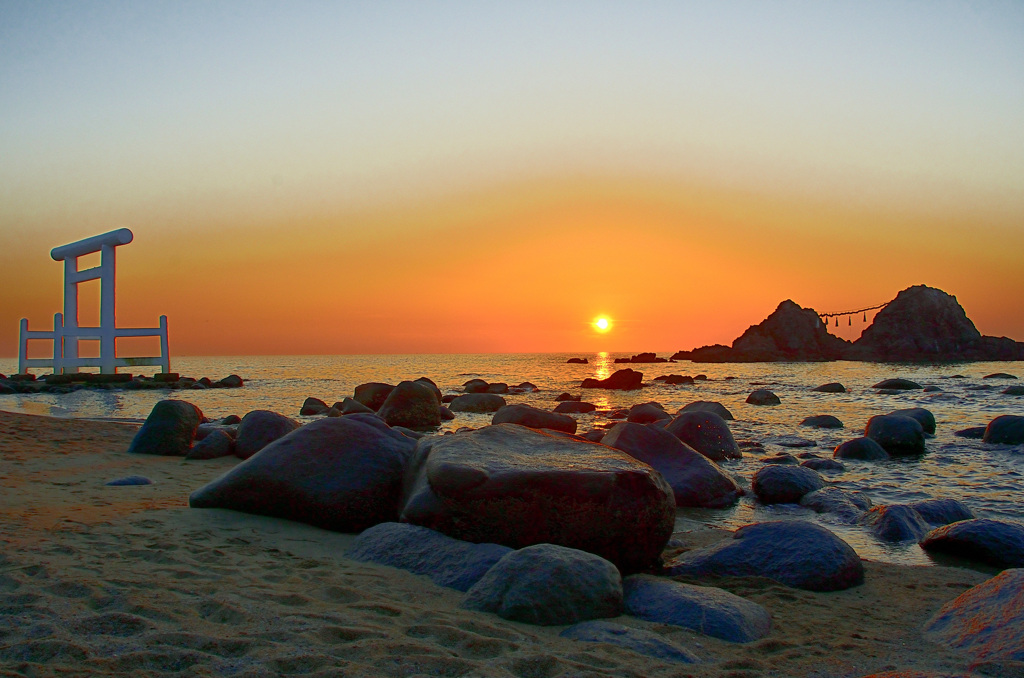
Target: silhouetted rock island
{"x": 922, "y": 324}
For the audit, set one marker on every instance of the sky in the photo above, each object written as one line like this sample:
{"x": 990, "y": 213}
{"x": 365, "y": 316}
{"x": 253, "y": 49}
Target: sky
{"x": 431, "y": 177}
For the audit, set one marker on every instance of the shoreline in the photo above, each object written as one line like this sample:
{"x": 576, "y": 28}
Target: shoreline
{"x": 101, "y": 579}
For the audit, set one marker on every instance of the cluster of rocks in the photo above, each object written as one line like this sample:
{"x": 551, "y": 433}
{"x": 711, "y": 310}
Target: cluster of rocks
{"x": 642, "y": 358}
{"x": 66, "y": 383}
{"x": 922, "y": 324}
{"x": 620, "y": 380}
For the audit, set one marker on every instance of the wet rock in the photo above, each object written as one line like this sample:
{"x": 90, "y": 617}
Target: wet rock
{"x": 515, "y": 486}
{"x": 478, "y": 402}
{"x": 412, "y": 404}
{"x": 848, "y": 507}
{"x": 996, "y": 542}
{"x": 823, "y": 465}
{"x": 931, "y": 389}
{"x": 642, "y": 642}
{"x": 999, "y": 375}
{"x": 448, "y": 562}
{"x": 1013, "y": 390}
{"x": 822, "y": 421}
{"x": 781, "y": 458}
{"x": 703, "y": 609}
{"x": 974, "y": 433}
{"x": 594, "y": 435}
{"x": 578, "y": 361}
{"x": 621, "y": 380}
{"x": 343, "y": 474}
{"x": 563, "y": 397}
{"x": 942, "y": 511}
{"x": 169, "y": 429}
{"x": 897, "y": 385}
{"x": 525, "y": 415}
{"x": 864, "y": 449}
{"x": 898, "y": 435}
{"x": 790, "y": 441}
{"x": 1006, "y": 430}
{"x": 372, "y": 394}
{"x": 129, "y": 480}
{"x": 574, "y": 407}
{"x": 779, "y": 484}
{"x": 258, "y": 429}
{"x": 895, "y": 523}
{"x": 986, "y": 622}
{"x": 352, "y": 406}
{"x": 763, "y": 396}
{"x": 794, "y": 553}
{"x": 675, "y": 379}
{"x": 707, "y": 433}
{"x": 831, "y": 387}
{"x": 445, "y": 413}
{"x": 924, "y": 417}
{"x": 204, "y": 430}
{"x": 475, "y": 386}
{"x": 429, "y": 383}
{"x": 497, "y": 387}
{"x": 213, "y": 446}
{"x": 645, "y": 413}
{"x": 313, "y": 406}
{"x": 548, "y": 585}
{"x": 708, "y": 406}
{"x": 695, "y": 480}
{"x": 231, "y": 381}
{"x": 526, "y": 387}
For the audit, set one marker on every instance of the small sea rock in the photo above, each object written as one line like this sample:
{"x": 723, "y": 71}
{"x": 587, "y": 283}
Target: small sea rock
{"x": 258, "y": 429}
{"x": 898, "y": 385}
{"x": 942, "y": 511}
{"x": 847, "y": 507}
{"x": 999, "y": 375}
{"x": 708, "y": 406}
{"x": 896, "y": 523}
{"x": 823, "y": 465}
{"x": 313, "y": 406}
{"x": 1006, "y": 430}
{"x": 1013, "y": 390}
{"x": 575, "y": 407}
{"x": 996, "y": 542}
{"x": 531, "y": 417}
{"x": 480, "y": 403}
{"x": 831, "y": 387}
{"x": 763, "y": 397}
{"x": 776, "y": 484}
{"x": 974, "y": 433}
{"x": 169, "y": 429}
{"x": 213, "y": 446}
{"x": 897, "y": 434}
{"x": 822, "y": 421}
{"x": 924, "y": 417}
{"x": 645, "y": 413}
{"x": 705, "y": 432}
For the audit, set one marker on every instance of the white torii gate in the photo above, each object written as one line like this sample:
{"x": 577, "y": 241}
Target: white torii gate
{"x": 66, "y": 331}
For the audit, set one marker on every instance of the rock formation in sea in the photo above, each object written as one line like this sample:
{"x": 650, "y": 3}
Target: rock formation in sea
{"x": 922, "y": 324}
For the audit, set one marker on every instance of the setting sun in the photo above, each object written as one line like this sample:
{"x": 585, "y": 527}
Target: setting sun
{"x": 602, "y": 324}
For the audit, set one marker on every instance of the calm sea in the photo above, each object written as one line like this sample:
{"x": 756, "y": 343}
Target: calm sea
{"x": 987, "y": 478}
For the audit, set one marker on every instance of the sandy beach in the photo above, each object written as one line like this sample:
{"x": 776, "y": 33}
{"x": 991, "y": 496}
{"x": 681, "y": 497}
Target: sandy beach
{"x": 98, "y": 579}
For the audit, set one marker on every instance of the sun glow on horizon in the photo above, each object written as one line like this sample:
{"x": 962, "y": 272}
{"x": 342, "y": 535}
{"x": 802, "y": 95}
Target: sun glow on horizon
{"x": 602, "y": 324}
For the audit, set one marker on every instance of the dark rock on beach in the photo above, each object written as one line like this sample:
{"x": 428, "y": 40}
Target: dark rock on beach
{"x": 784, "y": 458}
{"x": 999, "y": 375}
{"x": 562, "y": 397}
{"x": 216, "y": 444}
{"x": 475, "y": 386}
{"x": 412, "y": 404}
{"x": 795, "y": 553}
{"x": 1007, "y": 429}
{"x": 352, "y": 406}
{"x": 343, "y": 474}
{"x": 513, "y": 485}
{"x": 675, "y": 379}
{"x": 695, "y": 480}
{"x": 995, "y": 542}
{"x": 763, "y": 396}
{"x": 1013, "y": 390}
{"x": 258, "y": 429}
{"x": 480, "y": 403}
{"x": 986, "y": 622}
{"x": 781, "y": 484}
{"x": 525, "y": 415}
{"x": 637, "y": 640}
{"x": 129, "y": 481}
{"x": 897, "y": 434}
{"x": 448, "y": 562}
{"x": 548, "y": 585}
{"x": 169, "y": 429}
{"x": 707, "y": 433}
{"x": 708, "y": 406}
{"x": 621, "y": 380}
{"x": 864, "y": 449}
{"x": 703, "y": 609}
{"x": 822, "y": 421}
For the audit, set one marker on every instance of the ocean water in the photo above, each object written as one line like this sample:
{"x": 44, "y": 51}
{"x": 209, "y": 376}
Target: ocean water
{"x": 988, "y": 478}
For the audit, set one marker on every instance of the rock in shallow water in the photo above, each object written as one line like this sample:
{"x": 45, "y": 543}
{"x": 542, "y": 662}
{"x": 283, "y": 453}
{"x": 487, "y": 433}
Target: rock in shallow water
{"x": 996, "y": 542}
{"x": 763, "y": 397}
{"x": 705, "y": 432}
{"x": 781, "y": 484}
{"x": 412, "y": 404}
{"x": 525, "y": 415}
{"x": 480, "y": 403}
{"x": 708, "y": 406}
{"x": 795, "y": 553}
{"x": 548, "y": 585}
{"x": 923, "y": 417}
{"x": 898, "y": 435}
{"x": 942, "y": 511}
{"x": 896, "y": 523}
{"x": 1006, "y": 430}
{"x": 864, "y": 449}
{"x": 822, "y": 421}
{"x": 512, "y": 485}
{"x": 620, "y": 380}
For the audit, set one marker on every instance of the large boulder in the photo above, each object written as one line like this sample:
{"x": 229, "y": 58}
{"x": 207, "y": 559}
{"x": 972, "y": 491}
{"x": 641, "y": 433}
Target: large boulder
{"x": 412, "y": 404}
{"x": 942, "y": 511}
{"x": 704, "y": 609}
{"x": 548, "y": 585}
{"x": 695, "y": 480}
{"x": 898, "y": 435}
{"x": 640, "y": 641}
{"x": 705, "y": 432}
{"x": 258, "y": 429}
{"x": 780, "y": 484}
{"x": 216, "y": 444}
{"x": 313, "y": 406}
{"x": 789, "y": 333}
{"x": 896, "y": 522}
{"x": 1007, "y": 429}
{"x": 923, "y": 417}
{"x": 341, "y": 473}
{"x": 708, "y": 406}
{"x": 864, "y": 449}
{"x": 996, "y": 542}
{"x": 795, "y": 553}
{"x": 372, "y": 394}
{"x": 480, "y": 403}
{"x": 448, "y": 562}
{"x": 525, "y": 415}
{"x": 516, "y": 486}
{"x": 986, "y": 622}
{"x": 924, "y": 324}
{"x": 646, "y": 413}
{"x": 621, "y": 380}
{"x": 169, "y": 429}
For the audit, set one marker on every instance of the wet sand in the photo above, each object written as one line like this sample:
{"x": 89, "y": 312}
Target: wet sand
{"x": 98, "y": 579}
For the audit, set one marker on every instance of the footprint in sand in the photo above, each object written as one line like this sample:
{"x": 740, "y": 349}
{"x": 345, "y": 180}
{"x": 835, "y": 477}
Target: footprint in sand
{"x": 109, "y": 624}
{"x": 220, "y": 613}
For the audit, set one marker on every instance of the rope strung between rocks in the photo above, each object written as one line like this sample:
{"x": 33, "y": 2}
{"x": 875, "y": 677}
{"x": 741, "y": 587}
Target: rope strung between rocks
{"x": 837, "y": 314}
